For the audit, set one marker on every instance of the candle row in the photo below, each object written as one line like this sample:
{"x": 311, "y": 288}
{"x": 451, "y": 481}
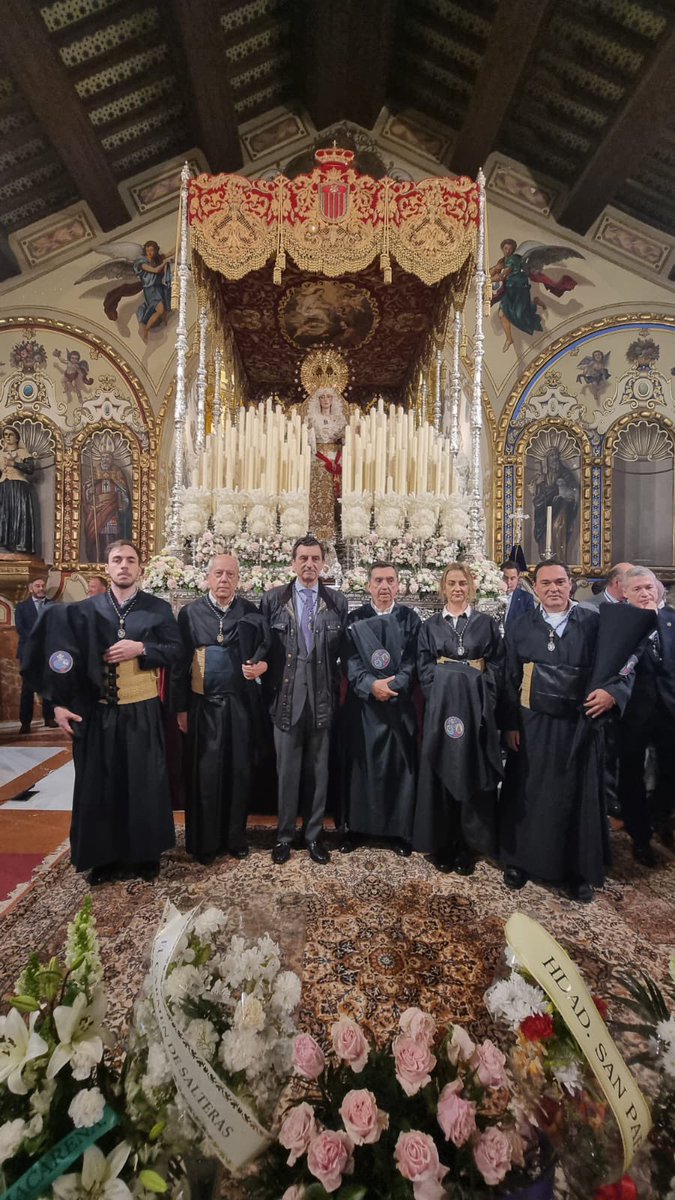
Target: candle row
{"x": 387, "y": 452}
{"x": 264, "y": 448}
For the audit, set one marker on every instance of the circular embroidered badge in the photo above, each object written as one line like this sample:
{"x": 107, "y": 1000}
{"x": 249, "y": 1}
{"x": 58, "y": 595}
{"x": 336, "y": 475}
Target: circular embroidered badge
{"x": 61, "y": 662}
{"x": 454, "y": 727}
{"x": 380, "y": 659}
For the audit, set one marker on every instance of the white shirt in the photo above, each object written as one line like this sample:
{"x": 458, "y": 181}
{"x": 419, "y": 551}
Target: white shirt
{"x": 216, "y": 603}
{"x": 609, "y": 598}
{"x": 453, "y": 618}
{"x": 558, "y": 621}
{"x": 382, "y": 612}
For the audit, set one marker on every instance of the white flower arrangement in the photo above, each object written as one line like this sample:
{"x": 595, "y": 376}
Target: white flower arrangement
{"x": 356, "y": 512}
{"x": 293, "y": 514}
{"x": 390, "y": 515}
{"x": 229, "y": 510}
{"x": 454, "y": 518}
{"x": 195, "y": 510}
{"x": 167, "y": 574}
{"x": 422, "y": 511}
{"x": 261, "y": 520}
{"x": 488, "y": 579}
{"x": 234, "y": 1006}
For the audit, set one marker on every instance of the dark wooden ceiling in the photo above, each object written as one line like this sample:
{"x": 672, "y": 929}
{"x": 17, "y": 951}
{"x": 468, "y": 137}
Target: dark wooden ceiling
{"x": 95, "y": 91}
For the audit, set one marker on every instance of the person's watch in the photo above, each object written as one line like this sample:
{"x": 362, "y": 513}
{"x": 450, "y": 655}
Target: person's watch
{"x": 142, "y": 653}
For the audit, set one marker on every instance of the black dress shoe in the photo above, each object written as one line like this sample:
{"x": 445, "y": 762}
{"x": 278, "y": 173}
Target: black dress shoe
{"x": 149, "y": 871}
{"x": 402, "y": 848}
{"x": 581, "y": 891}
{"x": 644, "y": 855}
{"x": 51, "y": 724}
{"x": 103, "y": 874}
{"x": 444, "y": 865}
{"x": 464, "y": 864}
{"x": 281, "y": 853}
{"x": 667, "y": 838}
{"x": 348, "y": 844}
{"x": 25, "y": 727}
{"x": 318, "y": 853}
{"x": 206, "y": 860}
{"x": 515, "y": 878}
{"x": 240, "y": 852}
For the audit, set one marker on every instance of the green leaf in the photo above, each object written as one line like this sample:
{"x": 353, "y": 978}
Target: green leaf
{"x": 152, "y": 1182}
{"x": 316, "y": 1191}
{"x": 25, "y": 1004}
{"x": 156, "y": 1130}
{"x": 352, "y": 1191}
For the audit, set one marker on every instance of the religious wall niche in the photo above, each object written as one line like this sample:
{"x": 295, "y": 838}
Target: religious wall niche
{"x": 643, "y": 480}
{"x": 106, "y": 493}
{"x": 552, "y": 495}
{"x": 28, "y": 487}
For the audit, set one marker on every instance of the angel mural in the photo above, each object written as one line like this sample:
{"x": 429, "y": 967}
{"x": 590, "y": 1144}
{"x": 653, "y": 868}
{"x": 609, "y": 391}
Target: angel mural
{"x": 75, "y": 371}
{"x": 142, "y": 268}
{"x": 593, "y": 372}
{"x": 512, "y": 276}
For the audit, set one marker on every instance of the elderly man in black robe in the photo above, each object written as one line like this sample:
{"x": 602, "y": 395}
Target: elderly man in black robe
{"x": 214, "y": 693}
{"x": 102, "y": 658}
{"x": 553, "y": 823}
{"x": 379, "y": 719}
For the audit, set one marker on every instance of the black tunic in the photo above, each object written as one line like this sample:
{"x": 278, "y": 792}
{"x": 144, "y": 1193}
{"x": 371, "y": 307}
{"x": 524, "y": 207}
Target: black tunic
{"x": 460, "y": 760}
{"x": 121, "y": 803}
{"x": 380, "y": 737}
{"x": 553, "y": 823}
{"x": 222, "y": 723}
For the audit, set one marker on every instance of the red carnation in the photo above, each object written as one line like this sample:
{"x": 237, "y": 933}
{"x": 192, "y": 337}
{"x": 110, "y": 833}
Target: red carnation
{"x": 625, "y": 1189}
{"x": 538, "y": 1028}
{"x": 601, "y": 1005}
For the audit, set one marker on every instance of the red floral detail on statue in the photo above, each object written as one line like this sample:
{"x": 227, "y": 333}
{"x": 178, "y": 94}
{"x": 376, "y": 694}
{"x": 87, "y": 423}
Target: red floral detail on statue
{"x": 334, "y": 468}
{"x": 537, "y": 1028}
{"x": 625, "y": 1189}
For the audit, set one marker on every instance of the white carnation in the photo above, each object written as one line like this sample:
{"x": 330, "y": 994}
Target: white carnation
{"x": 202, "y": 1036}
{"x": 666, "y": 1030}
{"x": 514, "y": 998}
{"x": 157, "y": 1071}
{"x": 209, "y": 922}
{"x": 86, "y": 1108}
{"x": 239, "y": 1049}
{"x": 569, "y": 1077}
{"x": 184, "y": 982}
{"x": 249, "y": 1014}
{"x": 12, "y": 1134}
{"x": 286, "y": 995}
{"x": 84, "y": 1058}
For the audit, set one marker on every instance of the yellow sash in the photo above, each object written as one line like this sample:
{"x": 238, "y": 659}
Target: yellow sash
{"x": 478, "y": 664}
{"x": 133, "y": 684}
{"x": 555, "y": 972}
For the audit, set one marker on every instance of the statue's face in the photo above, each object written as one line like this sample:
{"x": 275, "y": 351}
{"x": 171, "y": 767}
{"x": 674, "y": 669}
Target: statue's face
{"x": 325, "y": 398}
{"x": 106, "y": 462}
{"x": 10, "y": 439}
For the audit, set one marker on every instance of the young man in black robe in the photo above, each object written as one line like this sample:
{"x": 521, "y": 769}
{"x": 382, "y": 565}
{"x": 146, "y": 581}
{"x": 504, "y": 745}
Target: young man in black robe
{"x": 214, "y": 694}
{"x": 106, "y": 699}
{"x": 379, "y": 719}
{"x": 553, "y": 823}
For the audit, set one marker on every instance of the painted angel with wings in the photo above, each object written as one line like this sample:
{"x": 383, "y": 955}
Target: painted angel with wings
{"x": 593, "y": 372}
{"x": 140, "y": 268}
{"x": 512, "y": 276}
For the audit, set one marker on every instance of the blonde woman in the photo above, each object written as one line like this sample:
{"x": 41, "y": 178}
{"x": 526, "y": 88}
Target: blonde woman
{"x": 460, "y": 659}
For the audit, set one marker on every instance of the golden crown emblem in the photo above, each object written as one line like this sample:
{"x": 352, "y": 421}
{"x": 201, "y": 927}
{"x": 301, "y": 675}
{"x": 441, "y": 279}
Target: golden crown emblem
{"x": 332, "y": 156}
{"x": 322, "y": 369}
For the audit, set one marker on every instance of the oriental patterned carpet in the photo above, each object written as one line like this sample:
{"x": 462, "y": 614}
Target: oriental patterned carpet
{"x": 371, "y": 933}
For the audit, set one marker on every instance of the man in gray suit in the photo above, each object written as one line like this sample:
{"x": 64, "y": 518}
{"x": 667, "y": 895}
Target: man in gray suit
{"x": 613, "y": 590}
{"x": 307, "y": 621}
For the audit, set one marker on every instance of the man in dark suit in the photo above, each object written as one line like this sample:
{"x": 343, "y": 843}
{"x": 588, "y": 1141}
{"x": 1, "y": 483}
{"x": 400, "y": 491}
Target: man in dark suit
{"x": 649, "y": 720}
{"x": 307, "y": 621}
{"x": 26, "y": 616}
{"x": 612, "y": 593}
{"x": 518, "y": 599}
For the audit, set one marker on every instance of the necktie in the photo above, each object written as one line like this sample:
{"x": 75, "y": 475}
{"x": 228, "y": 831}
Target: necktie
{"x": 307, "y": 618}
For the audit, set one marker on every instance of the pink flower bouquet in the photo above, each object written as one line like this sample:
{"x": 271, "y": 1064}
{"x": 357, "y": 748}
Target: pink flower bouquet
{"x": 432, "y": 1116}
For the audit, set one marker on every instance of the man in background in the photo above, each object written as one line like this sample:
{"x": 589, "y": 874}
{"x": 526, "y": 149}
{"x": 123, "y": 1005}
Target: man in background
{"x": 97, "y": 585}
{"x": 649, "y": 720}
{"x": 612, "y": 592}
{"x": 518, "y": 599}
{"x": 26, "y": 616}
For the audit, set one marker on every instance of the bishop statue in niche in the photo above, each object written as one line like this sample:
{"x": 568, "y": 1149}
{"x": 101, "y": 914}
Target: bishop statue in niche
{"x": 553, "y": 482}
{"x": 106, "y": 494}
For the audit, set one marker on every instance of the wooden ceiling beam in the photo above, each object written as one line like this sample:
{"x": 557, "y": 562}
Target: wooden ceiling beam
{"x": 38, "y": 72}
{"x": 342, "y": 58}
{"x": 202, "y": 46}
{"x": 635, "y": 130}
{"x": 516, "y": 30}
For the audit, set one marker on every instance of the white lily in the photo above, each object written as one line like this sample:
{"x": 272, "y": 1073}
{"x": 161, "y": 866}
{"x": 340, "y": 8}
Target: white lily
{"x": 20, "y": 1045}
{"x": 99, "y": 1178}
{"x": 79, "y": 1029}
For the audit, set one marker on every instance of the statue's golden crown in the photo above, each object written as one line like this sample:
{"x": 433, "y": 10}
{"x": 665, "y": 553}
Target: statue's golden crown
{"x": 332, "y": 156}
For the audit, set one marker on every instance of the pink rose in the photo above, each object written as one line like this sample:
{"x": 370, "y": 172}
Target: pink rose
{"x": 362, "y": 1119}
{"x": 460, "y": 1047}
{"x": 297, "y": 1130}
{"x": 308, "y": 1058}
{"x": 350, "y": 1044}
{"x": 488, "y": 1062}
{"x": 492, "y": 1155}
{"x": 329, "y": 1158}
{"x": 456, "y": 1117}
{"x": 417, "y": 1159}
{"x": 418, "y": 1025}
{"x": 414, "y": 1063}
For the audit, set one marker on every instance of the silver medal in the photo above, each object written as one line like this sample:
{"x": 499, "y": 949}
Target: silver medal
{"x": 121, "y": 633}
{"x": 220, "y": 638}
{"x": 460, "y": 652}
{"x": 551, "y": 643}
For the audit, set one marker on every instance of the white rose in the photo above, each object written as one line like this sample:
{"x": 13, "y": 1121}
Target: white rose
{"x": 249, "y": 1014}
{"x": 202, "y": 1036}
{"x": 86, "y": 1108}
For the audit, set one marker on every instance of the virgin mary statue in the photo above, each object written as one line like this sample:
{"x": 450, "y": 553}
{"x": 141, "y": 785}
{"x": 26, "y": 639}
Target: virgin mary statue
{"x": 325, "y": 412}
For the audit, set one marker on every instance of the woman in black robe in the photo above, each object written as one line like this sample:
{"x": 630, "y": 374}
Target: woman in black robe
{"x": 460, "y": 661}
